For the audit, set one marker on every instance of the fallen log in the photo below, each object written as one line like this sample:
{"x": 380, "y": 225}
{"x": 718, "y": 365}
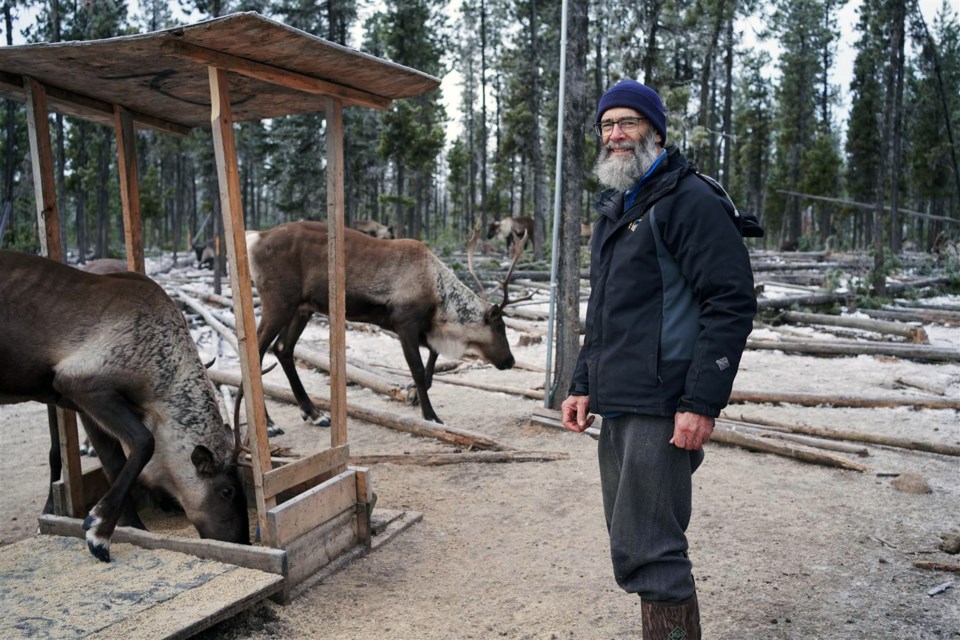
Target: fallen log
{"x": 415, "y": 426}
{"x": 915, "y": 334}
{"x": 923, "y": 353}
{"x": 863, "y": 402}
{"x": 853, "y": 436}
{"x": 840, "y": 447}
{"x": 525, "y": 393}
{"x": 937, "y": 566}
{"x": 525, "y": 327}
{"x": 546, "y": 417}
{"x": 392, "y": 387}
{"x": 815, "y": 300}
{"x": 436, "y": 459}
{"x": 727, "y": 435}
{"x": 922, "y": 385}
{"x": 915, "y": 315}
{"x": 209, "y": 318}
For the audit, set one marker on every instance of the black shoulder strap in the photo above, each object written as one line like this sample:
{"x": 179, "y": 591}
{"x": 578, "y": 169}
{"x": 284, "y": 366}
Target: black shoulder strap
{"x": 748, "y": 224}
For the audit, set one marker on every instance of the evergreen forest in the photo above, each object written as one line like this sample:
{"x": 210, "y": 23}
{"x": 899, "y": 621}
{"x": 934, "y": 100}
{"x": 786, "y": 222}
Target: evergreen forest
{"x": 877, "y": 171}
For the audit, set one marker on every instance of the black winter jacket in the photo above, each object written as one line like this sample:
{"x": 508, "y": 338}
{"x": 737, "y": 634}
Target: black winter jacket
{"x": 671, "y": 301}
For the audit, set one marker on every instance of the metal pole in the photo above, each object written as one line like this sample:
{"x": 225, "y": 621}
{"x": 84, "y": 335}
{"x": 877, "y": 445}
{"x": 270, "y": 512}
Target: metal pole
{"x": 558, "y": 188}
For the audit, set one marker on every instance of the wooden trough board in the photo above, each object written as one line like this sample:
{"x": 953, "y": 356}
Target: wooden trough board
{"x": 51, "y": 587}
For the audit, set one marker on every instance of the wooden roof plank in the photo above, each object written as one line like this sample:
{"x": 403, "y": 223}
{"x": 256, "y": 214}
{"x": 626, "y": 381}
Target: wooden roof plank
{"x": 274, "y": 75}
{"x": 87, "y": 77}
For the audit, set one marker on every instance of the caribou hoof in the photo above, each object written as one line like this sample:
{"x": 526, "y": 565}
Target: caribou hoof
{"x": 319, "y": 420}
{"x": 274, "y": 431}
{"x": 98, "y": 545}
{"x": 86, "y": 449}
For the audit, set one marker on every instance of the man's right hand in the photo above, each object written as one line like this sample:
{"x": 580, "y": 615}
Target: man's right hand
{"x": 575, "y": 412}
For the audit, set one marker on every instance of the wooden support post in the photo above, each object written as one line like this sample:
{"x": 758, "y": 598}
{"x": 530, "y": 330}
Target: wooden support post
{"x": 129, "y": 187}
{"x": 41, "y": 155}
{"x": 221, "y": 120}
{"x": 364, "y": 506}
{"x": 48, "y": 225}
{"x": 336, "y": 264}
{"x": 71, "y": 501}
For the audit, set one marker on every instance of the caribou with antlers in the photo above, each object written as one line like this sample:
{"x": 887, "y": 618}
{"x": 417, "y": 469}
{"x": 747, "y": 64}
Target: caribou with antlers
{"x": 116, "y": 348}
{"x": 399, "y": 285}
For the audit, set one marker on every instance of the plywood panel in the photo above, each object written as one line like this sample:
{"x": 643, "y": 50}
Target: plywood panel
{"x": 295, "y": 517}
{"x": 52, "y": 587}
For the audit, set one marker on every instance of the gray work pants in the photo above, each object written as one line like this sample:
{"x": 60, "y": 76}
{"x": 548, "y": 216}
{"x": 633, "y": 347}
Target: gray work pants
{"x": 646, "y": 484}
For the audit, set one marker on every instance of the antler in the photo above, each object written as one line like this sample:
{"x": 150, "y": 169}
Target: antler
{"x": 471, "y": 245}
{"x": 518, "y": 243}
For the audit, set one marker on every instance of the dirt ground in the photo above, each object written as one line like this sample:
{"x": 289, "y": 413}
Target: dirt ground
{"x": 781, "y": 549}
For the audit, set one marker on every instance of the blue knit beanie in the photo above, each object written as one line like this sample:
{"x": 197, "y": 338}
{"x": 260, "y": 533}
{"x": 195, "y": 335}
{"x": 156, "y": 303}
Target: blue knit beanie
{"x": 641, "y": 98}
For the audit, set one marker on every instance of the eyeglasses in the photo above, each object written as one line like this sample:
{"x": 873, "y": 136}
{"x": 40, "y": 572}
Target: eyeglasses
{"x": 628, "y": 126}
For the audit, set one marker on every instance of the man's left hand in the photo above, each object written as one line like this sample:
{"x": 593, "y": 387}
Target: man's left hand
{"x": 691, "y": 430}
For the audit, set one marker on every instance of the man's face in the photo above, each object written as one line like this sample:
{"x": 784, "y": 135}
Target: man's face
{"x": 626, "y": 155}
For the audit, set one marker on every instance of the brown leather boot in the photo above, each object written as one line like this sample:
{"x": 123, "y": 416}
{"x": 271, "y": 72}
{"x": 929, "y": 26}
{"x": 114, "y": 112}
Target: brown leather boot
{"x": 671, "y": 620}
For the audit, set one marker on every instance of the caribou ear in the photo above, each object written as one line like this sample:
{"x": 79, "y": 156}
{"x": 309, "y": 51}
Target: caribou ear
{"x": 204, "y": 461}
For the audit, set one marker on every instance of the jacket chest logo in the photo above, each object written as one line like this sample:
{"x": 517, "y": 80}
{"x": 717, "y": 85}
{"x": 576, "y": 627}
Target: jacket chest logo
{"x": 633, "y": 225}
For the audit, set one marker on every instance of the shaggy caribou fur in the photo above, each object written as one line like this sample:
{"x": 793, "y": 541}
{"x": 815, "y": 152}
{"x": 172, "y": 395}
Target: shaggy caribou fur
{"x": 116, "y": 348}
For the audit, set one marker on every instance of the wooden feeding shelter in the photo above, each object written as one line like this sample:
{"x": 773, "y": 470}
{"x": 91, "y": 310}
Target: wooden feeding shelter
{"x": 235, "y": 68}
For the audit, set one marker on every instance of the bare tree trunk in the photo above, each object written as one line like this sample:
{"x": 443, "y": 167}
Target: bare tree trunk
{"x": 895, "y": 229}
{"x": 727, "y": 104}
{"x": 483, "y": 114}
{"x": 81, "y": 196}
{"x": 650, "y": 55}
{"x": 539, "y": 219}
{"x": 103, "y": 217}
{"x": 706, "y": 77}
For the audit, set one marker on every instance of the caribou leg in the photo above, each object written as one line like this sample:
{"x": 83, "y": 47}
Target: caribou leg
{"x": 283, "y": 349}
{"x": 108, "y": 408}
{"x": 112, "y": 460}
{"x": 411, "y": 351}
{"x": 431, "y": 363}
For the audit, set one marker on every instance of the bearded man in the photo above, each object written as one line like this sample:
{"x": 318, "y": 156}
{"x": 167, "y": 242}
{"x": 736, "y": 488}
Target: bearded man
{"x": 671, "y": 305}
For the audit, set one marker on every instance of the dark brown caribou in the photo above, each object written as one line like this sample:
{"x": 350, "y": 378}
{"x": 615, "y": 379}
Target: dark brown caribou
{"x": 399, "y": 285}
{"x": 116, "y": 348}
{"x": 511, "y": 228}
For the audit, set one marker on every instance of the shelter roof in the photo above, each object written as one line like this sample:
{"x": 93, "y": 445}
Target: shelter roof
{"x": 162, "y": 77}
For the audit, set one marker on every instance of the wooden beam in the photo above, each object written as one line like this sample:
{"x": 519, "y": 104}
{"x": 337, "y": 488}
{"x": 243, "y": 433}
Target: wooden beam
{"x": 252, "y": 557}
{"x": 221, "y": 120}
{"x": 129, "y": 188}
{"x": 336, "y": 264}
{"x": 84, "y": 107}
{"x": 274, "y": 75}
{"x": 44, "y": 184}
{"x": 304, "y": 469}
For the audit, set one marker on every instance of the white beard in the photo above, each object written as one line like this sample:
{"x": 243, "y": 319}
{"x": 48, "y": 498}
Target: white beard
{"x": 621, "y": 173}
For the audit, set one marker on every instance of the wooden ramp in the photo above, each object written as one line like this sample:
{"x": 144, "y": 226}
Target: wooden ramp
{"x": 51, "y": 587}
